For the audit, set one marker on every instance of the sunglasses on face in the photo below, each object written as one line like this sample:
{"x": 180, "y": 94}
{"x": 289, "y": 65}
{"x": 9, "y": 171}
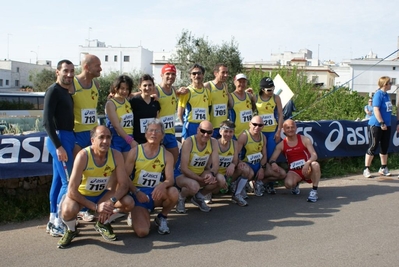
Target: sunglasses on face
{"x": 390, "y": 83}
{"x": 257, "y": 124}
{"x": 269, "y": 90}
{"x": 196, "y": 73}
{"x": 206, "y": 131}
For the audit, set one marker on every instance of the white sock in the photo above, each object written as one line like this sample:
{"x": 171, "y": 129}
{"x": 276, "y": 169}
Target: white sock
{"x": 112, "y": 217}
{"x": 241, "y": 183}
{"x": 57, "y": 222}
{"x": 71, "y": 224}
{"x": 52, "y": 217}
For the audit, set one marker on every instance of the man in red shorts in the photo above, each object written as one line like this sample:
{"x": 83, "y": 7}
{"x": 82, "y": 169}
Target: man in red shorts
{"x": 301, "y": 157}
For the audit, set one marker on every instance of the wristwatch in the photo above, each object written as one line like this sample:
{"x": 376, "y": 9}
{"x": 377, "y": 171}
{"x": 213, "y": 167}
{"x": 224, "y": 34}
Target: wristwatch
{"x": 113, "y": 200}
{"x": 136, "y": 191}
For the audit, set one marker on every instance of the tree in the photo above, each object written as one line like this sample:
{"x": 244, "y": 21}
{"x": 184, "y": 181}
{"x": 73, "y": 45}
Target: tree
{"x": 313, "y": 103}
{"x": 191, "y": 50}
{"x": 43, "y": 79}
{"x": 105, "y": 83}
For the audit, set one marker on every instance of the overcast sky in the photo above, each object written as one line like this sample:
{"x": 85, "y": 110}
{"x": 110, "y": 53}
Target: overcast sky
{"x": 334, "y": 30}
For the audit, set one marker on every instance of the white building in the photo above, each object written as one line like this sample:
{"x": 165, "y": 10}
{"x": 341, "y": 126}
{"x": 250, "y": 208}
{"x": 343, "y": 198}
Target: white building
{"x": 284, "y": 59}
{"x": 15, "y": 74}
{"x": 119, "y": 59}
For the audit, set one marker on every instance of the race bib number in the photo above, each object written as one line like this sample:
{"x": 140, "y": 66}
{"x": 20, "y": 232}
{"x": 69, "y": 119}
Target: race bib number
{"x": 219, "y": 110}
{"x": 389, "y": 106}
{"x": 149, "y": 179}
{"x": 199, "y": 114}
{"x": 254, "y": 158}
{"x": 245, "y": 116}
{"x": 224, "y": 162}
{"x": 168, "y": 122}
{"x": 297, "y": 165}
{"x": 143, "y": 124}
{"x": 127, "y": 120}
{"x": 96, "y": 184}
{"x": 268, "y": 119}
{"x": 198, "y": 161}
{"x": 89, "y": 116}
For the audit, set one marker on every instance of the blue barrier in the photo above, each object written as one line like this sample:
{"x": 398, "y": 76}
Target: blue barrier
{"x": 26, "y": 156}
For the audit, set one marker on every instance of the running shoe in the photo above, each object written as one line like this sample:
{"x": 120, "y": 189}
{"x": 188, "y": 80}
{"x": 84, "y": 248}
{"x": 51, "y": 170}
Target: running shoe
{"x": 200, "y": 203}
{"x": 312, "y": 196}
{"x": 384, "y": 171}
{"x": 162, "y": 224}
{"x": 67, "y": 238}
{"x": 106, "y": 231}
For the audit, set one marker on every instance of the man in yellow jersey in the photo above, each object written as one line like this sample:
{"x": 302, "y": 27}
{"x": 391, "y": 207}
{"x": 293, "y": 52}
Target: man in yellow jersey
{"x": 92, "y": 171}
{"x": 167, "y": 98}
{"x": 229, "y": 165}
{"x": 196, "y": 171}
{"x": 219, "y": 93}
{"x": 194, "y": 106}
{"x": 85, "y": 100}
{"x": 241, "y": 104}
{"x": 270, "y": 109}
{"x": 151, "y": 169}
{"x": 252, "y": 144}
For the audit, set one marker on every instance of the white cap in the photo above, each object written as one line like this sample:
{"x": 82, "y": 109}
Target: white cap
{"x": 240, "y": 76}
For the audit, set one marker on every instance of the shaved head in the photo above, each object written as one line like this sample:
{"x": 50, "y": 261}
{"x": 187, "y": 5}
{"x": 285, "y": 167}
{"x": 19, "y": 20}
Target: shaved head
{"x": 206, "y": 125}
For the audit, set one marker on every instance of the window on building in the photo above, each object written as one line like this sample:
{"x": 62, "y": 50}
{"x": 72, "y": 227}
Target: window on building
{"x": 115, "y": 58}
{"x": 16, "y": 82}
{"x": 126, "y": 58}
{"x": 17, "y": 69}
{"x": 106, "y": 58}
{"x": 1, "y": 82}
{"x": 7, "y": 82}
{"x": 393, "y": 80}
{"x": 393, "y": 68}
{"x": 315, "y": 79}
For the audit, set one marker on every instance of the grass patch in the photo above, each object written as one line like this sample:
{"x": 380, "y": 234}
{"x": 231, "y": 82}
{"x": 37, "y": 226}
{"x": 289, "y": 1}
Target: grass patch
{"x": 336, "y": 167}
{"x": 24, "y": 206}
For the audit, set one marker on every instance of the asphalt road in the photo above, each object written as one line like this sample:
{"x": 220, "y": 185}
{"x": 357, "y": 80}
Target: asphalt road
{"x": 354, "y": 223}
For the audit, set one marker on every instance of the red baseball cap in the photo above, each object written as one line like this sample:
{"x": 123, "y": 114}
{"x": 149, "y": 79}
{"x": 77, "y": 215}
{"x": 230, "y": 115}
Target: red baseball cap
{"x": 168, "y": 68}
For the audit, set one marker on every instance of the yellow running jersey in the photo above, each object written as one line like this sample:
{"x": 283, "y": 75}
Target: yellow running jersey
{"x": 95, "y": 178}
{"x": 219, "y": 104}
{"x": 196, "y": 104}
{"x": 266, "y": 110}
{"x": 198, "y": 159}
{"x": 148, "y": 171}
{"x": 125, "y": 116}
{"x": 226, "y": 157}
{"x": 241, "y": 113}
{"x": 85, "y": 106}
{"x": 252, "y": 150}
{"x": 168, "y": 103}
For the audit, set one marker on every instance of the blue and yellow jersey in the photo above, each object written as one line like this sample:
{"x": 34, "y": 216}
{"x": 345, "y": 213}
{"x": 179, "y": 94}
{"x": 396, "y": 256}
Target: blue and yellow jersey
{"x": 95, "y": 178}
{"x": 219, "y": 104}
{"x": 226, "y": 157}
{"x": 148, "y": 171}
{"x": 168, "y": 103}
{"x": 198, "y": 159}
{"x": 252, "y": 150}
{"x": 85, "y": 106}
{"x": 125, "y": 116}
{"x": 196, "y": 104}
{"x": 267, "y": 111}
{"x": 241, "y": 113}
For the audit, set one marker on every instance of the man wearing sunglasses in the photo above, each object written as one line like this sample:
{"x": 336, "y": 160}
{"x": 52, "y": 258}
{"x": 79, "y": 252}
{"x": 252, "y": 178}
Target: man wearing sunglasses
{"x": 194, "y": 106}
{"x": 301, "y": 157}
{"x": 220, "y": 97}
{"x": 252, "y": 144}
{"x": 196, "y": 171}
